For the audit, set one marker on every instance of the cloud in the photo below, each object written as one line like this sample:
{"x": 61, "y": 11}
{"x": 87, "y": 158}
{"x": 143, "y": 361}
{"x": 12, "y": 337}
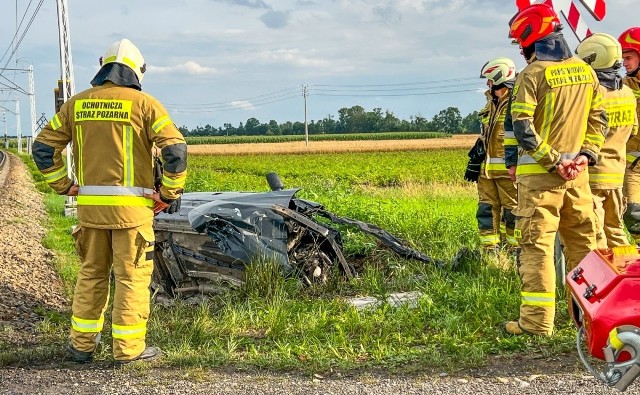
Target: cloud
{"x": 247, "y": 3}
{"x": 388, "y": 14}
{"x": 291, "y": 56}
{"x": 275, "y": 19}
{"x": 189, "y": 67}
{"x": 243, "y": 104}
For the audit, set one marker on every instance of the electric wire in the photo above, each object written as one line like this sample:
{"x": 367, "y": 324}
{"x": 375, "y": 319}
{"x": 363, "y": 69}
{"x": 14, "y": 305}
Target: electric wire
{"x": 16, "y": 45}
{"x": 344, "y": 90}
{"x": 396, "y": 95}
{"x": 17, "y": 30}
{"x": 226, "y": 103}
{"x": 24, "y": 33}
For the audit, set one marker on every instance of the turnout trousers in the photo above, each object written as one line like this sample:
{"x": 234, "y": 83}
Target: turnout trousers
{"x": 129, "y": 252}
{"x": 540, "y": 214}
{"x": 497, "y": 199}
{"x": 631, "y": 191}
{"x": 609, "y": 209}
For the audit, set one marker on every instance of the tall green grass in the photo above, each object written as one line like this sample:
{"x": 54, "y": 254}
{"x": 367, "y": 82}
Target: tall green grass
{"x": 274, "y": 323}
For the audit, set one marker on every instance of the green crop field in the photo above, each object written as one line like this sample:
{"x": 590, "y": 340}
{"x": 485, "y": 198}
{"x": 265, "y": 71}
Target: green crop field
{"x": 276, "y": 323}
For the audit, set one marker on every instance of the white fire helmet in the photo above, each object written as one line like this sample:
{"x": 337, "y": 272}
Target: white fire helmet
{"x": 499, "y": 70}
{"x": 124, "y": 52}
{"x": 601, "y": 51}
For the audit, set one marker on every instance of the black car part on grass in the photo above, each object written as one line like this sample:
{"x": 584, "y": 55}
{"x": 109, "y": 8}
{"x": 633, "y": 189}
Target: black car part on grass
{"x": 205, "y": 246}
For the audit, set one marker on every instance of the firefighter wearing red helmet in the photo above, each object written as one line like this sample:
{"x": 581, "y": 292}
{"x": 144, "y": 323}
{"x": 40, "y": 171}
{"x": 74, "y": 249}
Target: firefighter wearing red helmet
{"x": 630, "y": 43}
{"x": 604, "y": 54}
{"x": 496, "y": 192}
{"x": 113, "y": 128}
{"x": 559, "y": 123}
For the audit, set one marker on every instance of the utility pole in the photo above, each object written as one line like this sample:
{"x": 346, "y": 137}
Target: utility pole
{"x": 68, "y": 84}
{"x": 4, "y": 120}
{"x": 32, "y": 102}
{"x": 18, "y": 126}
{"x": 305, "y": 93}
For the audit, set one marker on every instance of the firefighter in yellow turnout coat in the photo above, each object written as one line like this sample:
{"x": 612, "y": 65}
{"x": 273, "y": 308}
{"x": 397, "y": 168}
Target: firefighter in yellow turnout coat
{"x": 497, "y": 193}
{"x": 630, "y": 42}
{"x": 113, "y": 127}
{"x": 559, "y": 123}
{"x": 604, "y": 54}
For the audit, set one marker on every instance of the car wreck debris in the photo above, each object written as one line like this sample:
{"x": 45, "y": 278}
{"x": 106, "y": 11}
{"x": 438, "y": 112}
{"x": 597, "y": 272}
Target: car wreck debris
{"x": 205, "y": 247}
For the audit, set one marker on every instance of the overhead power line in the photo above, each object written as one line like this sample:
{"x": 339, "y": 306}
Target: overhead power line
{"x": 431, "y": 82}
{"x": 13, "y": 40}
{"x": 16, "y": 44}
{"x": 395, "y": 94}
{"x": 424, "y": 88}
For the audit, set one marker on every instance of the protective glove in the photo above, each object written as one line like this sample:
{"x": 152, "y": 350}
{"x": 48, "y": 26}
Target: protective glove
{"x": 472, "y": 172}
{"x": 173, "y": 204}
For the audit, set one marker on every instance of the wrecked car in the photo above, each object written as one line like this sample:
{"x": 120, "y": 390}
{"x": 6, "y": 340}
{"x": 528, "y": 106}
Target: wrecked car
{"x": 205, "y": 247}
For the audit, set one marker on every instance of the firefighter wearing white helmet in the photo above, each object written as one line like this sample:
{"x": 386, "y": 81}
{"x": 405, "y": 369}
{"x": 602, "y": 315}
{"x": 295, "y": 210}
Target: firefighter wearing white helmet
{"x": 496, "y": 191}
{"x": 604, "y": 54}
{"x": 113, "y": 128}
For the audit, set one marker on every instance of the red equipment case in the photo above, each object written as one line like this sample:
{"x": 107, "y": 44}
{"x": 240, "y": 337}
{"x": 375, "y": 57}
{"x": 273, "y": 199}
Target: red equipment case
{"x": 605, "y": 290}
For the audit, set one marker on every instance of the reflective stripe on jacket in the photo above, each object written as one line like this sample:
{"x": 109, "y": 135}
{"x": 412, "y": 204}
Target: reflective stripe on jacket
{"x": 494, "y": 136}
{"x": 557, "y": 112}
{"x": 620, "y": 105}
{"x": 113, "y": 130}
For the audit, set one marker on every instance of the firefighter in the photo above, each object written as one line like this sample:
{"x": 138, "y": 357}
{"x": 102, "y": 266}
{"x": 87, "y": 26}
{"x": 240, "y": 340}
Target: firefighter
{"x": 630, "y": 42}
{"x": 112, "y": 128}
{"x": 604, "y": 54}
{"x": 559, "y": 124}
{"x": 497, "y": 193}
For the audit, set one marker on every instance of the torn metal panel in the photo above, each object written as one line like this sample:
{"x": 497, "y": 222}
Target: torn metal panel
{"x": 214, "y": 236}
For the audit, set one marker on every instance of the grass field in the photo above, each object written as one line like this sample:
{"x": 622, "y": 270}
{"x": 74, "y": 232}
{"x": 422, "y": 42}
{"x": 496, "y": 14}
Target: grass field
{"x": 276, "y": 324}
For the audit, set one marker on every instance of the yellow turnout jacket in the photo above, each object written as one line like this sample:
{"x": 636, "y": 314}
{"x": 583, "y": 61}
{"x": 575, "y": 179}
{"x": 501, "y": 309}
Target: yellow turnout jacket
{"x": 557, "y": 113}
{"x": 112, "y": 130}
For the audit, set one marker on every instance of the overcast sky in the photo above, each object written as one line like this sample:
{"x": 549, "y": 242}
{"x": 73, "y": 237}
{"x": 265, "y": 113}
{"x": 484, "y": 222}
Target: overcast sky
{"x": 224, "y": 61}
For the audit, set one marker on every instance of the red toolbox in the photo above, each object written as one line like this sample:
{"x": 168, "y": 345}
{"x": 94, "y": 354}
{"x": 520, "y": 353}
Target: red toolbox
{"x": 605, "y": 290}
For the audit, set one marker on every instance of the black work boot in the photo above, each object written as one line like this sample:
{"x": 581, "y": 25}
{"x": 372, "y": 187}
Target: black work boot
{"x": 149, "y": 354}
{"x": 79, "y": 356}
{"x": 82, "y": 356}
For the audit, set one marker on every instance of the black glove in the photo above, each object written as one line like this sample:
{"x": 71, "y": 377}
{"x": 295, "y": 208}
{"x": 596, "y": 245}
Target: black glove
{"x": 476, "y": 154}
{"x": 472, "y": 172}
{"x": 174, "y": 204}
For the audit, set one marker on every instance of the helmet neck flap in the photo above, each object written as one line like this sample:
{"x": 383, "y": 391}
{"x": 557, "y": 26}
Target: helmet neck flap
{"x": 117, "y": 73}
{"x": 552, "y": 48}
{"x": 610, "y": 78}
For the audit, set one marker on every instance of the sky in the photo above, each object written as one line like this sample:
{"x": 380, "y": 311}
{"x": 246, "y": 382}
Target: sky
{"x": 224, "y": 61}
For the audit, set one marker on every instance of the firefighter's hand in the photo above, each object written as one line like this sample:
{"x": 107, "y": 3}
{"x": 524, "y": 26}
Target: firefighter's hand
{"x": 512, "y": 172}
{"x": 581, "y": 162}
{"x": 158, "y": 205}
{"x": 567, "y": 169}
{"x": 73, "y": 191}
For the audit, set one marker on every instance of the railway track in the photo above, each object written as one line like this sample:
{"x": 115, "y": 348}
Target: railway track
{"x": 4, "y": 167}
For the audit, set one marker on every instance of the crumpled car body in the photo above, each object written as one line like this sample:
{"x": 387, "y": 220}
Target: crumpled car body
{"x": 205, "y": 247}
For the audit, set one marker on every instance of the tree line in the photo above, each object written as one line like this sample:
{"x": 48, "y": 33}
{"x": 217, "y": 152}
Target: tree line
{"x": 350, "y": 120}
